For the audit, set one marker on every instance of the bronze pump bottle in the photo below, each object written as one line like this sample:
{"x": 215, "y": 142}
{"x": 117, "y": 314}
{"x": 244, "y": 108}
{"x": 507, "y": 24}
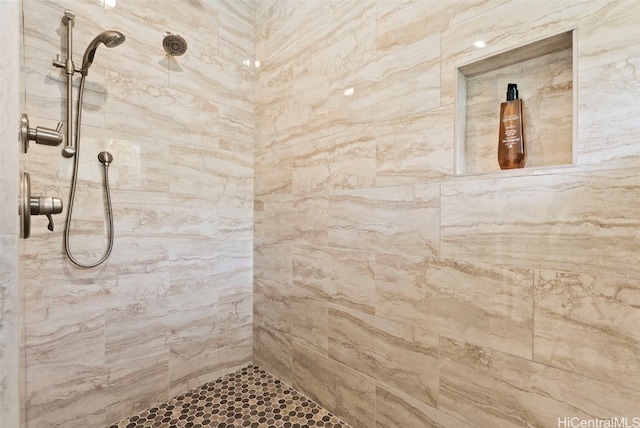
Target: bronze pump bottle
{"x": 511, "y": 138}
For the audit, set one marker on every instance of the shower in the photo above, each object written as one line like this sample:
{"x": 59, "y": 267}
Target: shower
{"x": 174, "y": 44}
{"x": 110, "y": 39}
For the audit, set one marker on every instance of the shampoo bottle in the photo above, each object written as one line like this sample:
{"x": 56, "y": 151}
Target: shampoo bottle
{"x": 511, "y": 137}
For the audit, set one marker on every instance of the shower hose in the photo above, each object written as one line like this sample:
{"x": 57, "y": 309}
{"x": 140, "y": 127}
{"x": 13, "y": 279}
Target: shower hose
{"x": 74, "y": 182}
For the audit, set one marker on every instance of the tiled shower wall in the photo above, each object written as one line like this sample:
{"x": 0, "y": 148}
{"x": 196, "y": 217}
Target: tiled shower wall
{"x": 10, "y": 374}
{"x": 172, "y": 307}
{"x": 400, "y": 295}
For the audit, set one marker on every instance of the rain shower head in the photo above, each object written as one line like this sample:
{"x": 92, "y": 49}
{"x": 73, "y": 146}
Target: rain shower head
{"x": 174, "y": 44}
{"x": 109, "y": 38}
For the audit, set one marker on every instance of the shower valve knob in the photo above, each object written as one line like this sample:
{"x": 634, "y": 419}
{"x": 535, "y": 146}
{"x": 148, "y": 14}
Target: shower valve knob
{"x": 43, "y": 205}
{"x": 41, "y": 135}
{"x": 46, "y": 136}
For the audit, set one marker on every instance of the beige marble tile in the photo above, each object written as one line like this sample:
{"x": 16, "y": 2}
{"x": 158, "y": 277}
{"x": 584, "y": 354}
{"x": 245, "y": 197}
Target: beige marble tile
{"x": 608, "y": 34}
{"x": 142, "y": 255}
{"x": 341, "y": 42}
{"x": 236, "y": 128}
{"x": 478, "y": 303}
{"x": 136, "y": 331}
{"x": 135, "y": 386}
{"x": 309, "y": 220}
{"x": 166, "y": 113}
{"x": 349, "y": 394}
{"x": 9, "y": 115}
{"x": 396, "y": 409}
{"x": 236, "y": 39}
{"x": 296, "y": 120}
{"x": 278, "y": 219}
{"x": 390, "y": 352}
{"x": 236, "y": 310}
{"x": 415, "y": 148}
{"x": 607, "y": 129}
{"x": 275, "y": 172}
{"x": 560, "y": 221}
{"x": 193, "y": 308}
{"x": 272, "y": 286}
{"x": 361, "y": 97}
{"x": 201, "y": 72}
{"x": 275, "y": 31}
{"x": 302, "y": 220}
{"x": 73, "y": 399}
{"x": 272, "y": 44}
{"x": 65, "y": 370}
{"x": 208, "y": 172}
{"x": 588, "y": 325}
{"x": 335, "y": 275}
{"x": 335, "y": 162}
{"x": 140, "y": 163}
{"x": 58, "y": 296}
{"x": 401, "y": 23}
{"x": 193, "y": 363}
{"x": 54, "y": 288}
{"x": 488, "y": 388}
{"x": 142, "y": 214}
{"x": 366, "y": 219}
{"x": 194, "y": 215}
{"x": 235, "y": 212}
{"x": 281, "y": 59}
{"x": 308, "y": 322}
{"x": 244, "y": 10}
{"x": 273, "y": 268}
{"x": 274, "y": 81}
{"x": 272, "y": 352}
{"x": 11, "y": 348}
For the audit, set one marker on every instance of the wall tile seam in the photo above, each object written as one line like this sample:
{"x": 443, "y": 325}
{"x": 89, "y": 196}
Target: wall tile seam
{"x": 399, "y": 394}
{"x": 538, "y": 363}
{"x": 531, "y": 360}
{"x": 166, "y": 85}
{"x": 375, "y": 382}
{"x": 606, "y": 65}
{"x": 343, "y": 76}
{"x": 508, "y": 355}
{"x": 118, "y": 134}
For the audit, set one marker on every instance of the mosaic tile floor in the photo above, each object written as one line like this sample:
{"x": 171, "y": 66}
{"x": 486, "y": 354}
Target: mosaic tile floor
{"x": 249, "y": 397}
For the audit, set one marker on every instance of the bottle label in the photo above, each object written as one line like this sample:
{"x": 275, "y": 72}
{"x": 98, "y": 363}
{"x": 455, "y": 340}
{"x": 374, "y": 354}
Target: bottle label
{"x": 511, "y": 127}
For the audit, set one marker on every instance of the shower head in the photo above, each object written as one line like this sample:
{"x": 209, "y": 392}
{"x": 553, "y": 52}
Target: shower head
{"x": 109, "y": 38}
{"x": 174, "y": 44}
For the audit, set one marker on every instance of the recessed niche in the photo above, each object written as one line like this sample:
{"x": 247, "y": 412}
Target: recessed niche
{"x": 544, "y": 71}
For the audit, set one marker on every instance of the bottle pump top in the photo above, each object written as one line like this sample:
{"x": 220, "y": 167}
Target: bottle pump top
{"x": 512, "y": 92}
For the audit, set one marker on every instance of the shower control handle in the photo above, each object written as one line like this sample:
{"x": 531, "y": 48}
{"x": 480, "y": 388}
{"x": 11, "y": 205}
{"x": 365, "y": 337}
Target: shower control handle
{"x": 36, "y": 205}
{"x": 46, "y": 136}
{"x": 44, "y": 205}
{"x": 41, "y": 135}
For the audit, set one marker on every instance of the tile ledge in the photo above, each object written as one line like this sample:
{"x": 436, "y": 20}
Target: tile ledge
{"x": 539, "y": 170}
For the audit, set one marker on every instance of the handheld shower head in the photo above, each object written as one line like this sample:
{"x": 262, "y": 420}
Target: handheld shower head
{"x": 109, "y": 38}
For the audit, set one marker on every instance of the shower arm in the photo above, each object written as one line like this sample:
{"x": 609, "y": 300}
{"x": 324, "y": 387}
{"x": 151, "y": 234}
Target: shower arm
{"x": 69, "y": 69}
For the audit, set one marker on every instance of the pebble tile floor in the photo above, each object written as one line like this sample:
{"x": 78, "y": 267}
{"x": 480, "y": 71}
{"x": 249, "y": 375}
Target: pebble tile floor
{"x": 249, "y": 397}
